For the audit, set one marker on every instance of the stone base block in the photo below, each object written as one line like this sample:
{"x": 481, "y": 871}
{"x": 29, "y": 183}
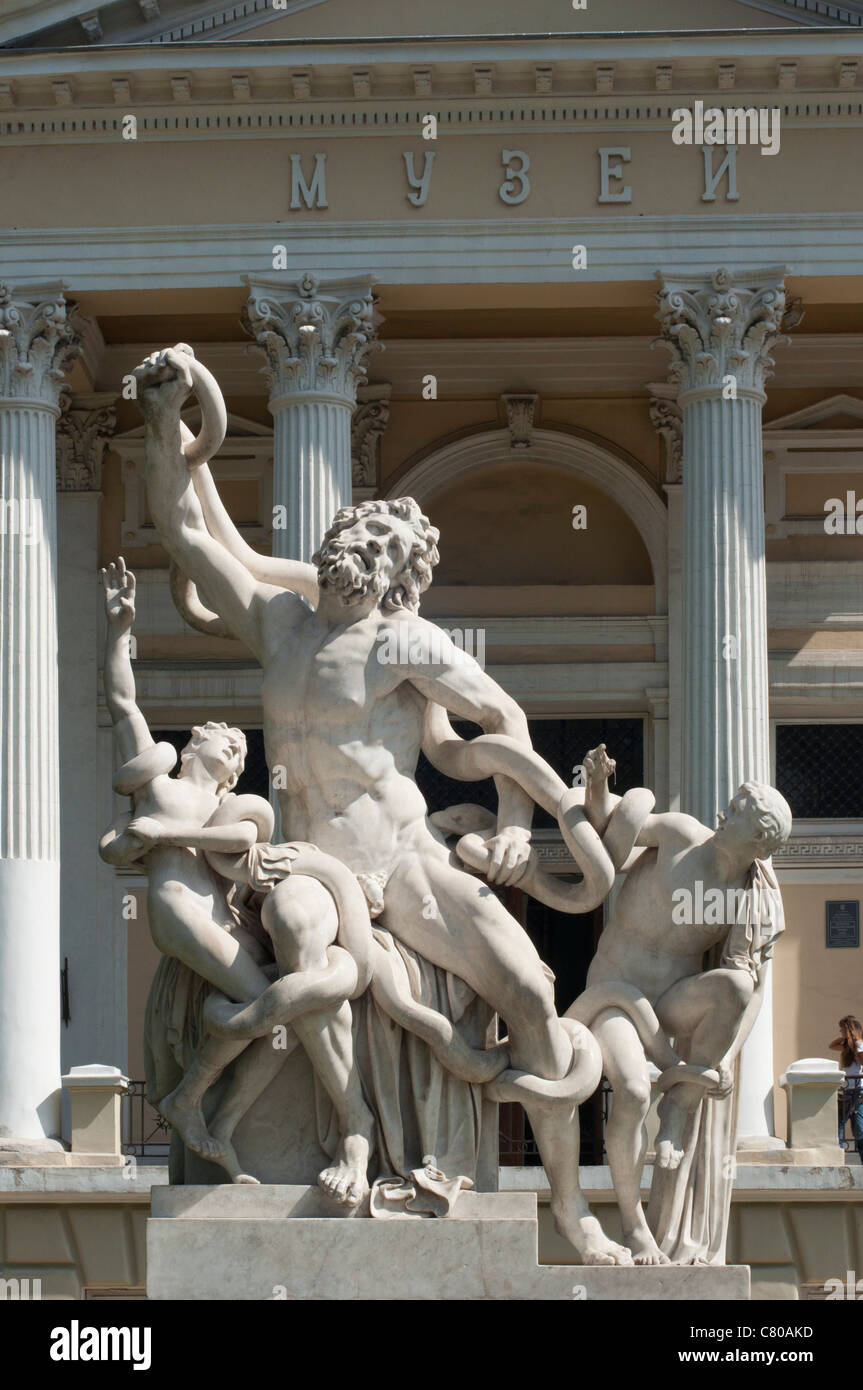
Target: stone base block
{"x": 50, "y": 1153}
{"x": 289, "y": 1242}
{"x": 827, "y": 1156}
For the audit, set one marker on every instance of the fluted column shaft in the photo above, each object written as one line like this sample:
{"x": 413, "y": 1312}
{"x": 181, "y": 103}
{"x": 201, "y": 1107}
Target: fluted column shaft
{"x": 35, "y": 344}
{"x": 317, "y": 338}
{"x": 311, "y": 470}
{"x": 725, "y": 687}
{"x": 720, "y": 332}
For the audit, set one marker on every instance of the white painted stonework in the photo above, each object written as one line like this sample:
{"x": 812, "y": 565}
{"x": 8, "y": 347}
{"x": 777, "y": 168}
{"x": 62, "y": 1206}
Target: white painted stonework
{"x": 317, "y": 338}
{"x": 36, "y": 345}
{"x": 721, "y": 333}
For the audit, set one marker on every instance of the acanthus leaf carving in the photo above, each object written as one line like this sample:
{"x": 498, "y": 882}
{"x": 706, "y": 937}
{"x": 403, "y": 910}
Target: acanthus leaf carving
{"x": 316, "y": 337}
{"x": 724, "y": 327}
{"x": 667, "y": 419}
{"x": 520, "y": 410}
{"x": 37, "y": 343}
{"x": 83, "y": 431}
{"x": 368, "y": 426}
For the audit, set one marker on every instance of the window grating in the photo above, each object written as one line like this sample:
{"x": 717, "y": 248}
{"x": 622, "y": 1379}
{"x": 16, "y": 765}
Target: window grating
{"x": 818, "y": 769}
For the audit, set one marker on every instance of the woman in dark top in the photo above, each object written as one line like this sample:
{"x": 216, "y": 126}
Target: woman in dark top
{"x": 849, "y": 1045}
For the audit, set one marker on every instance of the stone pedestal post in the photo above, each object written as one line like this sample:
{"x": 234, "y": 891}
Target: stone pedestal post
{"x": 36, "y": 345}
{"x": 95, "y": 1129}
{"x": 720, "y": 331}
{"x": 317, "y": 338}
{"x": 811, "y": 1086}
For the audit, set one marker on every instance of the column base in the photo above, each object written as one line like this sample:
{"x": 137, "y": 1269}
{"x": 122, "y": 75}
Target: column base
{"x": 761, "y": 1148}
{"x": 27, "y": 1153}
{"x": 32, "y": 1153}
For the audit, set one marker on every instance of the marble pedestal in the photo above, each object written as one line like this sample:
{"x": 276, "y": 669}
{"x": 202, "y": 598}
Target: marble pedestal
{"x": 277, "y": 1242}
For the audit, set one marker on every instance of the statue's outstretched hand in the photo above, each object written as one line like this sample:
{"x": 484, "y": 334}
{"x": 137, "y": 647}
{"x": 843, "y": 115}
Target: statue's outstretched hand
{"x": 119, "y": 586}
{"x": 147, "y": 829}
{"x": 164, "y": 380}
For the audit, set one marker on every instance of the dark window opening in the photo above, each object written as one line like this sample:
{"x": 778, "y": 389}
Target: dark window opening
{"x": 818, "y": 770}
{"x": 563, "y": 743}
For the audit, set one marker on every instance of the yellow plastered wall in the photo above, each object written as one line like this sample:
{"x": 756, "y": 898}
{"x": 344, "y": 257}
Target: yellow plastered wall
{"x": 813, "y": 986}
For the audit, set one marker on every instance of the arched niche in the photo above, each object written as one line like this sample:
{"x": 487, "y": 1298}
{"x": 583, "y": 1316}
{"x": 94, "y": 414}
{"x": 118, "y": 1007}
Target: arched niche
{"x": 497, "y": 506}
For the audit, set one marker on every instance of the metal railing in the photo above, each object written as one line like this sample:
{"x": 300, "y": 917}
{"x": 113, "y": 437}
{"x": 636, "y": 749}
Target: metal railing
{"x": 145, "y": 1135}
{"x": 518, "y": 1148}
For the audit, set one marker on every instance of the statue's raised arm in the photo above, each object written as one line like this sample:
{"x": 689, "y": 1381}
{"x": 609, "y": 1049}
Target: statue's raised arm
{"x": 269, "y": 569}
{"x": 165, "y": 380}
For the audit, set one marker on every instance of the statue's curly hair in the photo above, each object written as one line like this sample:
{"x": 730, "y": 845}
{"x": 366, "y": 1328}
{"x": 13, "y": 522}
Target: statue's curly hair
{"x": 200, "y": 732}
{"x": 772, "y": 814}
{"x": 416, "y": 576}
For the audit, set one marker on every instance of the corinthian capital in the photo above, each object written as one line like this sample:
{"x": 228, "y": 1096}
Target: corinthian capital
{"x": 317, "y": 336}
{"x": 83, "y": 431}
{"x": 37, "y": 343}
{"x": 723, "y": 326}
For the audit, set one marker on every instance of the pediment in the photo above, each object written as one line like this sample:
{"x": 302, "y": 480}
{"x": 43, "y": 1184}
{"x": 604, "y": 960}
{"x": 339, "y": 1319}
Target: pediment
{"x": 75, "y": 23}
{"x": 839, "y": 412}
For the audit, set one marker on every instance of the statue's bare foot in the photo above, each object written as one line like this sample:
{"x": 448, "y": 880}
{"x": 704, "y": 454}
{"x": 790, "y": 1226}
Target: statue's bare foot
{"x": 229, "y": 1160}
{"x": 644, "y": 1249}
{"x": 187, "y": 1118}
{"x": 346, "y": 1181}
{"x": 668, "y": 1154}
{"x": 589, "y": 1239}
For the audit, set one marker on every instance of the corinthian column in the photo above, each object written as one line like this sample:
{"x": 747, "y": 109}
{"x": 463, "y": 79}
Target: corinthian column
{"x": 36, "y": 345}
{"x": 721, "y": 331}
{"x": 317, "y": 338}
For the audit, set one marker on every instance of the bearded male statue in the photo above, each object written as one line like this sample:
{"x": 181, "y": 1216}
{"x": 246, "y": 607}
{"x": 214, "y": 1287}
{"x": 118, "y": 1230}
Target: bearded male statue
{"x": 347, "y": 729}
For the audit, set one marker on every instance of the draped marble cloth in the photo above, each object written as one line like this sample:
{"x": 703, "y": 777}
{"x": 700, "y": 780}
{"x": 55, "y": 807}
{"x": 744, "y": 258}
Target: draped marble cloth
{"x": 420, "y": 1107}
{"x": 690, "y": 1205}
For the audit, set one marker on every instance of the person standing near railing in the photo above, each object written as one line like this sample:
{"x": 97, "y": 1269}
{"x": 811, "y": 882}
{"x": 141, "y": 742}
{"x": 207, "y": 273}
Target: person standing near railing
{"x": 849, "y": 1045}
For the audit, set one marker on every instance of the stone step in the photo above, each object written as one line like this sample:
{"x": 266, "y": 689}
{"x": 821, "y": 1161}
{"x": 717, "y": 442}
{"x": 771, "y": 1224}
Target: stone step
{"x": 271, "y": 1243}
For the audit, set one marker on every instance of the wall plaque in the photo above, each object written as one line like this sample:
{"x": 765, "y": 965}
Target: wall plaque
{"x": 843, "y": 923}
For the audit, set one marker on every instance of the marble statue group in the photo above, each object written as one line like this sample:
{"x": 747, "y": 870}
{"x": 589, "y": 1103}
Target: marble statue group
{"x": 368, "y": 942}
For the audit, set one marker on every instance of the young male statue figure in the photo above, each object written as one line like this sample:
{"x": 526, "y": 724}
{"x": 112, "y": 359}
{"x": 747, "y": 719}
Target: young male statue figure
{"x": 175, "y": 824}
{"x": 655, "y": 947}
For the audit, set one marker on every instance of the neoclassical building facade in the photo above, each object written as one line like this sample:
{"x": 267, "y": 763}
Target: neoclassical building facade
{"x": 622, "y": 374}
